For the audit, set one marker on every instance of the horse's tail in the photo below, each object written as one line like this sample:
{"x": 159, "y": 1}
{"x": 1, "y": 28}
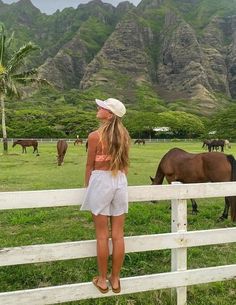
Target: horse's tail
{"x": 232, "y": 161}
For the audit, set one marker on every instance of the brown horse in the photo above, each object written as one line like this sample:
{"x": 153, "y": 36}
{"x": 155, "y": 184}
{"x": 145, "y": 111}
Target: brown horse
{"x": 78, "y": 141}
{"x": 179, "y": 165}
{"x": 61, "y": 151}
{"x": 139, "y": 141}
{"x": 206, "y": 143}
{"x": 26, "y": 143}
{"x": 216, "y": 144}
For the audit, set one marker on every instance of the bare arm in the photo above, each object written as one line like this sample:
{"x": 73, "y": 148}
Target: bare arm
{"x": 93, "y": 139}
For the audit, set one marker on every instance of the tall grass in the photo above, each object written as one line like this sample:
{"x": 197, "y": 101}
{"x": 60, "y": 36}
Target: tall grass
{"x": 49, "y": 225}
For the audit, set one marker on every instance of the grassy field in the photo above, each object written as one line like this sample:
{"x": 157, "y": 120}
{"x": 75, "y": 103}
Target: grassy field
{"x": 39, "y": 226}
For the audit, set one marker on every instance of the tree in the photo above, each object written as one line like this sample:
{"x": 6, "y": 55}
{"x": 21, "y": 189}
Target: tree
{"x": 182, "y": 124}
{"x": 12, "y": 74}
{"x": 223, "y": 123}
{"x": 140, "y": 124}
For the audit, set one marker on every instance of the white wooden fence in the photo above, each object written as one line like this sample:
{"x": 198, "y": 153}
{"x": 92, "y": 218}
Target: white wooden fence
{"x": 179, "y": 240}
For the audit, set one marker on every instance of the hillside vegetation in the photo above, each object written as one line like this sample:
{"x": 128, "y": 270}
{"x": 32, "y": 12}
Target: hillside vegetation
{"x": 161, "y": 56}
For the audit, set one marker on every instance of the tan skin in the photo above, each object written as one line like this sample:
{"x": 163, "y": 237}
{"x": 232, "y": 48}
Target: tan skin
{"x": 101, "y": 223}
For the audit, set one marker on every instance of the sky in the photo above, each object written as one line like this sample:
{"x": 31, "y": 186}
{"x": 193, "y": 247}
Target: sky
{"x": 50, "y": 6}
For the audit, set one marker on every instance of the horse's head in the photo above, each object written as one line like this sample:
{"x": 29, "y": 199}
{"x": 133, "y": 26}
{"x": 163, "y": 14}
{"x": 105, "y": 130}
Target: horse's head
{"x": 153, "y": 183}
{"x": 14, "y": 143}
{"x": 153, "y": 180}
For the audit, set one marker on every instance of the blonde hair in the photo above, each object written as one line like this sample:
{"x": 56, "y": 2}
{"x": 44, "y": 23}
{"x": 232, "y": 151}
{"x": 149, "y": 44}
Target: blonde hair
{"x": 115, "y": 136}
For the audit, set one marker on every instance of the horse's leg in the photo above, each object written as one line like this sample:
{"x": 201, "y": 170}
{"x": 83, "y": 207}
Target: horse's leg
{"x": 194, "y": 206}
{"x": 60, "y": 159}
{"x": 226, "y": 209}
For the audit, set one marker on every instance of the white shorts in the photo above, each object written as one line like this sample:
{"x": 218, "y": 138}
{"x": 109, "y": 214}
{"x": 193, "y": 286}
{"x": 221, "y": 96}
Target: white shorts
{"x": 106, "y": 194}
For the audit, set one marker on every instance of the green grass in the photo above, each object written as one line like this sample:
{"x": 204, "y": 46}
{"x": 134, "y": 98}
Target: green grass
{"x": 49, "y": 225}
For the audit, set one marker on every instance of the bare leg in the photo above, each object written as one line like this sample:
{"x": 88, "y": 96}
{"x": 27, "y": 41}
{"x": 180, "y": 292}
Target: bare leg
{"x": 102, "y": 235}
{"x": 117, "y": 234}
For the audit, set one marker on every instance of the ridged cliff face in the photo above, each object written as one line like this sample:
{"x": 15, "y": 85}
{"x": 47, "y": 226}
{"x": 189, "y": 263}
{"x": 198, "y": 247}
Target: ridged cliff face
{"x": 180, "y": 49}
{"x": 124, "y": 53}
{"x": 187, "y": 62}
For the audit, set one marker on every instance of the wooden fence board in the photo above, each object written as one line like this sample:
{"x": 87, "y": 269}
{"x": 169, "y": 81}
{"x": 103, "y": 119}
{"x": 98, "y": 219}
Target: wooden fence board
{"x": 67, "y": 197}
{"x": 82, "y": 249}
{"x": 67, "y": 293}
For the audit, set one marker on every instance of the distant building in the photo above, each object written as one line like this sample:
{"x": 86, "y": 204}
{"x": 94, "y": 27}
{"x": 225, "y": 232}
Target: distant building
{"x": 161, "y": 129}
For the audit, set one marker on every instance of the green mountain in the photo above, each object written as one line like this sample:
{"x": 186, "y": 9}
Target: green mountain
{"x": 163, "y": 54}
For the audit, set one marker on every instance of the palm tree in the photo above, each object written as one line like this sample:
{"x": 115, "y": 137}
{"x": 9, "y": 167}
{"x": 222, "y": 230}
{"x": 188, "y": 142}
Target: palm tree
{"x": 12, "y": 74}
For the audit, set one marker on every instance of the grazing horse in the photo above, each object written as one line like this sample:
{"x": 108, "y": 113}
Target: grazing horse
{"x": 86, "y": 146}
{"x": 215, "y": 144}
{"x": 26, "y": 143}
{"x": 78, "y": 141}
{"x": 206, "y": 143}
{"x": 61, "y": 151}
{"x": 139, "y": 141}
{"x": 179, "y": 165}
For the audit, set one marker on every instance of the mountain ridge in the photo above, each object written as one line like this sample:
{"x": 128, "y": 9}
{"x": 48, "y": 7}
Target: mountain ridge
{"x": 179, "y": 51}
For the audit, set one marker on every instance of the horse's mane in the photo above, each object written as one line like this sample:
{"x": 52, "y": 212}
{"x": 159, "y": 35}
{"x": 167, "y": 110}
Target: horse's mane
{"x": 232, "y": 161}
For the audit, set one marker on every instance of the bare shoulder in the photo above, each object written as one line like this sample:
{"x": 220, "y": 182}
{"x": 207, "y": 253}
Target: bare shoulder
{"x": 93, "y": 136}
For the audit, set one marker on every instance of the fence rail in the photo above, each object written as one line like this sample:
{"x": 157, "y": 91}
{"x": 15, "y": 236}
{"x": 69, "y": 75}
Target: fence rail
{"x": 179, "y": 240}
{"x": 147, "y": 140}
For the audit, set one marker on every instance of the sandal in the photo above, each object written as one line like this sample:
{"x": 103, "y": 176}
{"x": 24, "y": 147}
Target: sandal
{"x": 95, "y": 283}
{"x": 117, "y": 289}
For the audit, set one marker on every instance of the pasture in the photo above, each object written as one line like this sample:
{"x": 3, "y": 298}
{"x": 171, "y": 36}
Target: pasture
{"x": 38, "y": 226}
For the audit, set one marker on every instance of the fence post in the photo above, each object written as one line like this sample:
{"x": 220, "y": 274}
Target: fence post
{"x": 179, "y": 256}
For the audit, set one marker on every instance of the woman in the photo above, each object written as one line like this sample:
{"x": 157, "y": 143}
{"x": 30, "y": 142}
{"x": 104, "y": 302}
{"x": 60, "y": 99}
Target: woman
{"x": 106, "y": 195}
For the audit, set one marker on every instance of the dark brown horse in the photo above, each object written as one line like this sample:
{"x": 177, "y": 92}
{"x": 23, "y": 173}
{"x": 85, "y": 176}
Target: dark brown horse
{"x": 139, "y": 141}
{"x": 61, "y": 151}
{"x": 216, "y": 144}
{"x": 26, "y": 143}
{"x": 206, "y": 143}
{"x": 179, "y": 165}
{"x": 78, "y": 141}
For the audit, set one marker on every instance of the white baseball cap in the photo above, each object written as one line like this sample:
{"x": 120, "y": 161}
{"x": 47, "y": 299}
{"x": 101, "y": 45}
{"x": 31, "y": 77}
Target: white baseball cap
{"x": 113, "y": 105}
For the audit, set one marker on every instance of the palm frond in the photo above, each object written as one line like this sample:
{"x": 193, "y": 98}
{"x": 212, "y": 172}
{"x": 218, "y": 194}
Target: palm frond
{"x": 25, "y": 74}
{"x": 16, "y": 61}
{"x": 30, "y": 80}
{"x": 2, "y": 43}
{"x": 9, "y": 40}
{"x": 43, "y": 82}
{"x": 25, "y": 81}
{"x": 11, "y": 89}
